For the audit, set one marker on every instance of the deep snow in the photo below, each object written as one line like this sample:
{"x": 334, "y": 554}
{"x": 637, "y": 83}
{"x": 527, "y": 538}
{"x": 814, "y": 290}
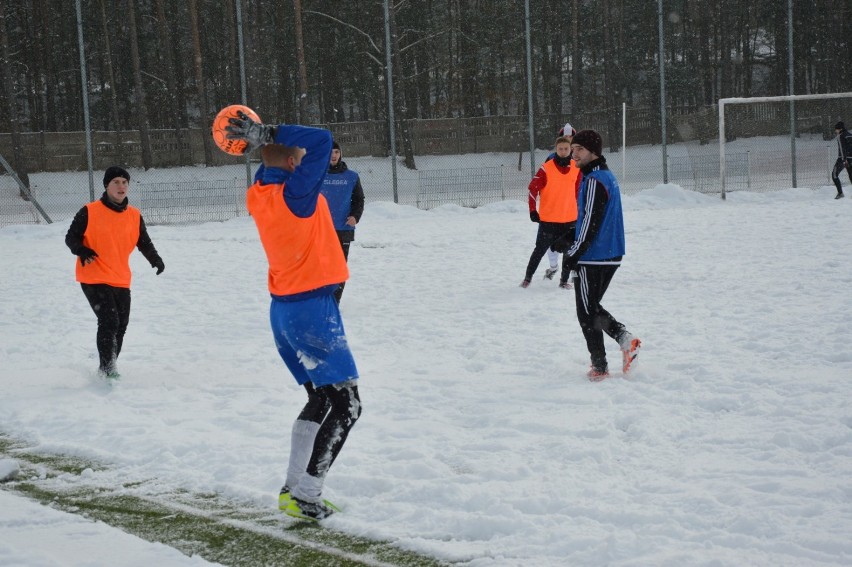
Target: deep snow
{"x": 481, "y": 442}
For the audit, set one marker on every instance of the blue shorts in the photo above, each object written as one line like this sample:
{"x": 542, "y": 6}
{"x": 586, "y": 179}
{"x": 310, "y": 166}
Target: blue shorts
{"x": 310, "y": 339}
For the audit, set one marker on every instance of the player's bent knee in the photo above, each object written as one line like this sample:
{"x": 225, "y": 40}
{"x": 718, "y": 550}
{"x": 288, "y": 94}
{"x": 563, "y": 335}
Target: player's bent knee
{"x": 345, "y": 399}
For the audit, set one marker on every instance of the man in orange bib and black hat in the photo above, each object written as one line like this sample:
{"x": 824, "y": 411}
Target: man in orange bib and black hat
{"x": 102, "y": 235}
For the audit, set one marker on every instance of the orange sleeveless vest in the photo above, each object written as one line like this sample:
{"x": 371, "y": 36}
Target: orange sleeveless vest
{"x": 303, "y": 253}
{"x": 113, "y": 236}
{"x": 558, "y": 199}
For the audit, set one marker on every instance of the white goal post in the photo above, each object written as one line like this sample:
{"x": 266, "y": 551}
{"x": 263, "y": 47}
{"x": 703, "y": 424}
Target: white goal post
{"x": 748, "y": 100}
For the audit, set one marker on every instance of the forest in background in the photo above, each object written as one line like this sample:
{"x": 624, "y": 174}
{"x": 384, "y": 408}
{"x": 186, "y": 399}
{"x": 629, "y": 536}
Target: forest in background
{"x": 453, "y": 58}
{"x": 171, "y": 64}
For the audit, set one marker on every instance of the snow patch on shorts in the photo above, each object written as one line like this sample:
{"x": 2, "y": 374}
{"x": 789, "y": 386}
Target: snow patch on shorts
{"x": 307, "y": 360}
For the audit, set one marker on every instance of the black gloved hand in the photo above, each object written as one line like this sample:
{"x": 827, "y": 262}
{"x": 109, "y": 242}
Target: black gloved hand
{"x": 87, "y": 255}
{"x": 561, "y": 245}
{"x": 534, "y": 216}
{"x": 244, "y": 128}
{"x": 158, "y": 263}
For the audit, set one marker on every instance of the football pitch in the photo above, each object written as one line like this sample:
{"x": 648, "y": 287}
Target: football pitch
{"x": 206, "y": 525}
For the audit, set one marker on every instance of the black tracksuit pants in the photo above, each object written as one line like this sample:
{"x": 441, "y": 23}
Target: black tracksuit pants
{"x": 338, "y": 293}
{"x": 590, "y": 285}
{"x": 548, "y": 233}
{"x": 839, "y": 166}
{"x": 112, "y": 308}
{"x": 345, "y": 237}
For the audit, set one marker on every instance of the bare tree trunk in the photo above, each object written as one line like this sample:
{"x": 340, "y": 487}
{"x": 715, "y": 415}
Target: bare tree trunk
{"x": 399, "y": 95}
{"x": 747, "y": 57}
{"x": 18, "y": 162}
{"x": 232, "y": 82}
{"x": 576, "y": 96}
{"x": 300, "y": 57}
{"x": 199, "y": 82}
{"x": 171, "y": 80}
{"x": 452, "y": 59}
{"x": 141, "y": 109}
{"x": 42, "y": 14}
{"x": 705, "y": 58}
{"x": 725, "y": 75}
{"x": 611, "y": 114}
{"x": 283, "y": 96}
{"x": 116, "y": 117}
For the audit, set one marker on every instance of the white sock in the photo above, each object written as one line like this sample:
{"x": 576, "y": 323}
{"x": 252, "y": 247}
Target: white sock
{"x": 301, "y": 446}
{"x": 309, "y": 489}
{"x": 553, "y": 258}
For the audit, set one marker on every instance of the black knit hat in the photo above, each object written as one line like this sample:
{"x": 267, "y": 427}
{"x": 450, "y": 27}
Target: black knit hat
{"x": 839, "y": 126}
{"x": 590, "y": 140}
{"x": 114, "y": 171}
{"x": 335, "y": 145}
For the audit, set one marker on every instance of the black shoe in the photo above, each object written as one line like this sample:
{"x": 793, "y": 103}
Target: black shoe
{"x": 839, "y": 196}
{"x": 550, "y": 272}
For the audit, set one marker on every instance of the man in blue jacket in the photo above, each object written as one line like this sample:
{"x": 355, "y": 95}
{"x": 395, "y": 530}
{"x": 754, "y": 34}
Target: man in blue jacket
{"x": 342, "y": 189}
{"x": 596, "y": 253}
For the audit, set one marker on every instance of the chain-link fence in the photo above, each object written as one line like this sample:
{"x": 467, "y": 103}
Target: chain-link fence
{"x": 469, "y": 162}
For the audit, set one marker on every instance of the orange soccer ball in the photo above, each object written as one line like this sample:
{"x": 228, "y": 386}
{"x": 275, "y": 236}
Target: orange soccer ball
{"x": 233, "y": 147}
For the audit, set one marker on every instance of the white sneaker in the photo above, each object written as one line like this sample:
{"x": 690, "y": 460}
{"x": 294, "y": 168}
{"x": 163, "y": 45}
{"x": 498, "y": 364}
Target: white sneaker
{"x": 630, "y": 346}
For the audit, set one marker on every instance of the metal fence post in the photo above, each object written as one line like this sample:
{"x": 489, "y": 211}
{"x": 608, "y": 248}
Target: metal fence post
{"x": 84, "y": 82}
{"x": 663, "y": 95}
{"x": 25, "y": 190}
{"x": 748, "y": 169}
{"x": 391, "y": 119}
{"x": 529, "y": 89}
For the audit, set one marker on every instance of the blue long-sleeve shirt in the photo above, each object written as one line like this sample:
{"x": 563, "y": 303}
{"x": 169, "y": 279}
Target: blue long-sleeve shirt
{"x": 302, "y": 186}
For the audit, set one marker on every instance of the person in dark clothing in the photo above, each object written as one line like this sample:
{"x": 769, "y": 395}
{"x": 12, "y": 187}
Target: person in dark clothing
{"x": 342, "y": 189}
{"x": 596, "y": 253}
{"x": 552, "y": 203}
{"x": 103, "y": 235}
{"x": 844, "y": 157}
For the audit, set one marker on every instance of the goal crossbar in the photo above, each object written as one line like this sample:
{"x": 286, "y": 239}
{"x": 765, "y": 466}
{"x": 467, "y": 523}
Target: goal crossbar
{"x": 749, "y": 100}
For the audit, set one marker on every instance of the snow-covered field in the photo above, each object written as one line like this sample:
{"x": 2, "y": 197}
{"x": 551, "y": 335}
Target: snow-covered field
{"x": 38, "y": 536}
{"x": 481, "y": 442}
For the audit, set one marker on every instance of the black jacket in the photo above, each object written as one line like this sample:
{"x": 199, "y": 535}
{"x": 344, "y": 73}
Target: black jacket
{"x": 844, "y": 145}
{"x": 74, "y": 236}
